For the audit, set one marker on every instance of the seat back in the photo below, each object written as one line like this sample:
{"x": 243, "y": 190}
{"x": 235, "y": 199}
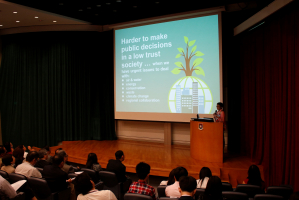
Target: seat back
{"x": 283, "y": 191}
{"x": 267, "y": 197}
{"x": 111, "y": 183}
{"x": 132, "y": 196}
{"x": 199, "y": 191}
{"x": 230, "y": 195}
{"x": 93, "y": 174}
{"x": 4, "y": 174}
{"x": 250, "y": 190}
{"x": 227, "y": 186}
{"x": 161, "y": 190}
{"x": 13, "y": 177}
{"x": 39, "y": 187}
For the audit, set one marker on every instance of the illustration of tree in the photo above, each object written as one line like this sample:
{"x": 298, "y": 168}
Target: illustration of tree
{"x": 188, "y": 69}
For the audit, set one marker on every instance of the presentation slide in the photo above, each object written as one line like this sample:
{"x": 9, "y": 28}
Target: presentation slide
{"x": 170, "y": 67}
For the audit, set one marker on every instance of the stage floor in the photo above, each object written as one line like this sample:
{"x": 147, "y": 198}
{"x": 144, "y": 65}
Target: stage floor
{"x": 162, "y": 159}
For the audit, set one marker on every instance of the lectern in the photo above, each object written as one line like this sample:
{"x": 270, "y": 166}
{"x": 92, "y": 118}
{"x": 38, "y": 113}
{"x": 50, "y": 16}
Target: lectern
{"x": 206, "y": 141}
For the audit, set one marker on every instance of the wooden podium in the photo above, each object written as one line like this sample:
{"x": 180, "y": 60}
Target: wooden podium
{"x": 206, "y": 141}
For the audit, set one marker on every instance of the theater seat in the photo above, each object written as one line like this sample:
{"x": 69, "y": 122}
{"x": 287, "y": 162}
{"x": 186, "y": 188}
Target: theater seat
{"x": 42, "y": 191}
{"x": 283, "y": 191}
{"x": 111, "y": 183}
{"x": 267, "y": 197}
{"x": 230, "y": 195}
{"x": 161, "y": 190}
{"x": 132, "y": 196}
{"x": 250, "y": 190}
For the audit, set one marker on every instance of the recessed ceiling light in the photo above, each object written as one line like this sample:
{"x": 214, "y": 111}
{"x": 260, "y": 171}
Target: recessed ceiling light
{"x": 108, "y": 3}
{"x": 17, "y": 21}
{"x": 54, "y": 21}
{"x": 15, "y": 12}
{"x": 98, "y": 5}
{"x": 36, "y": 17}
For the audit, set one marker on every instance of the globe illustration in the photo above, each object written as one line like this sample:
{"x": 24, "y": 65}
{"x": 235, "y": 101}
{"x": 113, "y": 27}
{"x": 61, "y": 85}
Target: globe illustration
{"x": 190, "y": 95}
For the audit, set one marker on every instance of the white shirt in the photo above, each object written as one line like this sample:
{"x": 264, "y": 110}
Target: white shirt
{"x": 97, "y": 195}
{"x": 28, "y": 170}
{"x": 6, "y": 188}
{"x": 204, "y": 184}
{"x": 172, "y": 191}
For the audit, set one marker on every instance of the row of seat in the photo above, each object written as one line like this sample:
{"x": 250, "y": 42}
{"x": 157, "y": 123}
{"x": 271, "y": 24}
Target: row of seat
{"x": 242, "y": 191}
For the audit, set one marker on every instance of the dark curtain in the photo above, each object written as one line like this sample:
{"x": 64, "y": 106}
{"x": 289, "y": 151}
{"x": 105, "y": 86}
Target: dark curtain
{"x": 269, "y": 61}
{"x": 57, "y": 86}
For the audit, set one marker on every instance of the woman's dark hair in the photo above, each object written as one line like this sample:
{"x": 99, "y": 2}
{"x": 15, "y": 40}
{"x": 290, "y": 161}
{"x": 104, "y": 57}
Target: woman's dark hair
{"x": 171, "y": 178}
{"x": 214, "y": 188}
{"x": 7, "y": 147}
{"x": 204, "y": 172}
{"x": 91, "y": 159}
{"x": 254, "y": 176}
{"x": 220, "y": 104}
{"x": 7, "y": 159}
{"x": 82, "y": 183}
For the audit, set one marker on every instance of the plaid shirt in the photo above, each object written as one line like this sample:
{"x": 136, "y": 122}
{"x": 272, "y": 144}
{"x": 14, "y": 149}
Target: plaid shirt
{"x": 141, "y": 187}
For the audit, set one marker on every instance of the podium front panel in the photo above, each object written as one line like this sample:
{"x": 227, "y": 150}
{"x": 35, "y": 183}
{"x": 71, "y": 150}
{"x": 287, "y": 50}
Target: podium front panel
{"x": 206, "y": 141}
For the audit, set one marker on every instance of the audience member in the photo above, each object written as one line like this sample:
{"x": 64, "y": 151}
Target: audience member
{"x": 67, "y": 168}
{"x": 187, "y": 187}
{"x": 172, "y": 191}
{"x": 43, "y": 156}
{"x": 27, "y": 168}
{"x": 119, "y": 169}
{"x": 9, "y": 147}
{"x": 204, "y": 175}
{"x": 92, "y": 162}
{"x": 6, "y": 189}
{"x": 85, "y": 186}
{"x": 8, "y": 161}
{"x": 141, "y": 187}
{"x": 254, "y": 177}
{"x": 213, "y": 190}
{"x": 170, "y": 180}
{"x": 18, "y": 153}
{"x": 2, "y": 153}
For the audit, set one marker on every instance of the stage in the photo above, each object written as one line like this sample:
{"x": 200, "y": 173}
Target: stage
{"x": 161, "y": 158}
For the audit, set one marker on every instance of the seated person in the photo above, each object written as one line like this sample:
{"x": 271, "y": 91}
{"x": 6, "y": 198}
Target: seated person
{"x": 254, "y": 177}
{"x": 119, "y": 169}
{"x": 213, "y": 190}
{"x": 67, "y": 168}
{"x": 141, "y": 187}
{"x": 170, "y": 180}
{"x": 172, "y": 191}
{"x": 187, "y": 187}
{"x": 92, "y": 162}
{"x": 204, "y": 175}
{"x": 43, "y": 156}
{"x": 85, "y": 186}
{"x": 8, "y": 161}
{"x": 27, "y": 168}
{"x": 6, "y": 189}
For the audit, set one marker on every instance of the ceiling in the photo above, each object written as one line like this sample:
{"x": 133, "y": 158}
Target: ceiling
{"x": 105, "y": 12}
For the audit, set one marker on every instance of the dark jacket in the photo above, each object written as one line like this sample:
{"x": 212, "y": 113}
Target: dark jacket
{"x": 118, "y": 168}
{"x": 55, "y": 177}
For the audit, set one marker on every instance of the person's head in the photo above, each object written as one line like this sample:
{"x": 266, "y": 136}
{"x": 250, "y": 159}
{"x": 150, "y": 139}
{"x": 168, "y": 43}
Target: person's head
{"x": 205, "y": 172}
{"x": 63, "y": 154}
{"x": 179, "y": 172}
{"x": 32, "y": 157}
{"x": 188, "y": 185}
{"x": 254, "y": 175}
{"x": 91, "y": 159}
{"x": 8, "y": 147}
{"x": 8, "y": 159}
{"x": 119, "y": 155}
{"x": 83, "y": 183}
{"x": 219, "y": 106}
{"x": 18, "y": 153}
{"x": 143, "y": 170}
{"x": 57, "y": 150}
{"x": 171, "y": 177}
{"x": 214, "y": 188}
{"x": 58, "y": 160}
{"x": 43, "y": 154}
{"x": 2, "y": 151}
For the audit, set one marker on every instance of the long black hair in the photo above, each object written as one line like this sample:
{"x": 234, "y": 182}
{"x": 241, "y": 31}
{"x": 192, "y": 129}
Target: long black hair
{"x": 254, "y": 176}
{"x": 91, "y": 159}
